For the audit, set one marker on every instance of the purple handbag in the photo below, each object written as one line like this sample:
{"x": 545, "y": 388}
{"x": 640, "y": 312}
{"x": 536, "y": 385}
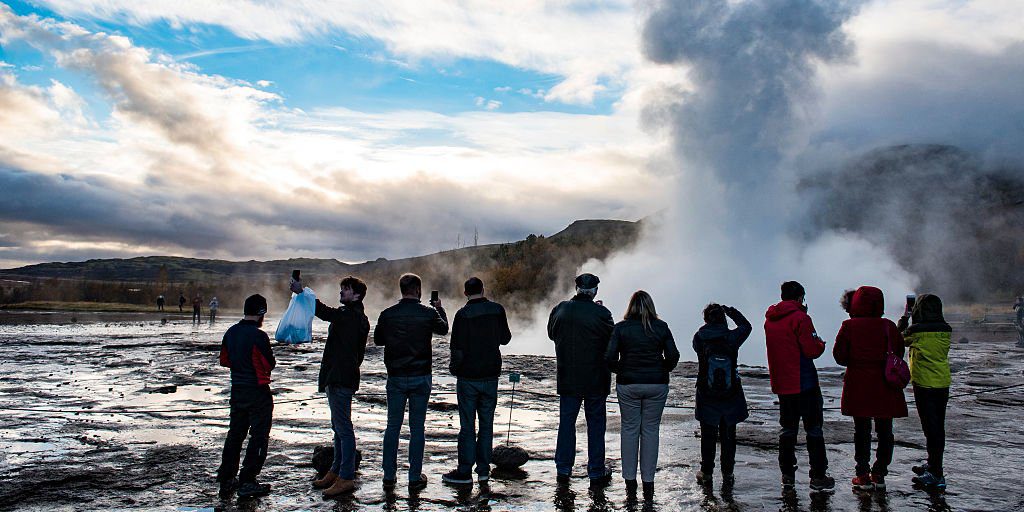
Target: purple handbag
{"x": 897, "y": 372}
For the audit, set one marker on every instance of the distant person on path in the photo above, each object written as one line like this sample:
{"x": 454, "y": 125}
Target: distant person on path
{"x": 246, "y": 350}
{"x": 720, "y": 402}
{"x": 197, "y": 306}
{"x": 339, "y": 377}
{"x": 479, "y": 330}
{"x": 1018, "y": 322}
{"x": 405, "y": 330}
{"x": 581, "y": 328}
{"x": 927, "y": 336}
{"x": 793, "y": 345}
{"x": 641, "y": 352}
{"x": 861, "y": 346}
{"x": 181, "y": 303}
{"x": 214, "y": 305}
{"x": 160, "y": 303}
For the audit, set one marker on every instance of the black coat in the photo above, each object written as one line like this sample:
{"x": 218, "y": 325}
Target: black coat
{"x": 346, "y": 344}
{"x": 639, "y": 357}
{"x": 405, "y": 330}
{"x": 479, "y": 330}
{"x": 581, "y": 329}
{"x": 732, "y": 409}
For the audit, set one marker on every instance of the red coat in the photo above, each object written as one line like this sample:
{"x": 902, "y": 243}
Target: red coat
{"x": 861, "y": 348}
{"x": 792, "y": 345}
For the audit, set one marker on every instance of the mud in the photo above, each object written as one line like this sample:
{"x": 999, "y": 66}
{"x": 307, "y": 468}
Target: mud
{"x": 144, "y": 413}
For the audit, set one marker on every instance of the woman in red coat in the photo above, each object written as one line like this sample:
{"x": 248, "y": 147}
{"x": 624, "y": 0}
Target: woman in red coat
{"x": 861, "y": 347}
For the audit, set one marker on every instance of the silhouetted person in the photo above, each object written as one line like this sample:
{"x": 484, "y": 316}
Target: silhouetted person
{"x": 581, "y": 328}
{"x": 1018, "y": 308}
{"x": 479, "y": 330}
{"x": 197, "y": 306}
{"x": 246, "y": 350}
{"x": 214, "y": 305}
{"x": 160, "y": 303}
{"x": 181, "y": 303}
{"x": 406, "y": 330}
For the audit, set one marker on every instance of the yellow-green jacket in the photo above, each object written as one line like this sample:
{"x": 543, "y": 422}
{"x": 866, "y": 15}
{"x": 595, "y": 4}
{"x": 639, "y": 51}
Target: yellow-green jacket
{"x": 929, "y": 354}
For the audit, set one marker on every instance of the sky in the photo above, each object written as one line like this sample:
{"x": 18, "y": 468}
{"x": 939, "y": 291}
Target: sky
{"x": 356, "y": 130}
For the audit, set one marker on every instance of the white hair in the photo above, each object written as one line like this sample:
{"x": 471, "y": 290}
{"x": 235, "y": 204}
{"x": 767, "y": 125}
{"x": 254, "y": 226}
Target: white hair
{"x": 592, "y": 292}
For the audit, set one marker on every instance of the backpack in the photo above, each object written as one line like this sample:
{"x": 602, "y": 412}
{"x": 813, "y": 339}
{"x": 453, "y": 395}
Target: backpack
{"x": 720, "y": 380}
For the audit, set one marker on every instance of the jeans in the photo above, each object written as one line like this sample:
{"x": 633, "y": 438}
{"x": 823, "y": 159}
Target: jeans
{"x": 251, "y": 412}
{"x": 415, "y": 391}
{"x": 565, "y": 447}
{"x": 477, "y": 399}
{"x": 640, "y": 408}
{"x": 931, "y": 407}
{"x": 710, "y": 435}
{"x": 862, "y": 445}
{"x": 806, "y": 405}
{"x": 340, "y": 401}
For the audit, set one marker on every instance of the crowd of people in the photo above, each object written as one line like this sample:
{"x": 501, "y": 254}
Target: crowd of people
{"x": 590, "y": 346}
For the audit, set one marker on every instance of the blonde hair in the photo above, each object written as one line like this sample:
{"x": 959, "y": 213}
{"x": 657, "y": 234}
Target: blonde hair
{"x": 641, "y": 307}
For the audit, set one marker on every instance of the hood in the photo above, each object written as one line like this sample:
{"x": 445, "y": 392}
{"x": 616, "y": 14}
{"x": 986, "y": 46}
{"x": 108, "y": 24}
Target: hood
{"x": 868, "y": 301}
{"x": 712, "y": 331}
{"x": 782, "y": 309}
{"x": 928, "y": 309}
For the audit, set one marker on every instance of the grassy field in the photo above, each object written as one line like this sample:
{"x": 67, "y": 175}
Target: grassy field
{"x": 95, "y": 307}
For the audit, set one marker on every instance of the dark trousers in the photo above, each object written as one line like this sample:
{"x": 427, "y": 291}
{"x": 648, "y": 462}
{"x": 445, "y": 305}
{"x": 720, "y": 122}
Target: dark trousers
{"x": 251, "y": 412}
{"x": 806, "y": 405}
{"x": 196, "y": 315}
{"x": 565, "y": 447}
{"x": 477, "y": 401}
{"x": 710, "y": 434}
{"x": 339, "y": 399}
{"x": 931, "y": 408}
{"x": 862, "y": 445}
{"x": 414, "y": 391}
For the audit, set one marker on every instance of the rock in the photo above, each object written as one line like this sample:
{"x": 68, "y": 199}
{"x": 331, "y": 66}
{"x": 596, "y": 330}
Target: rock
{"x": 509, "y": 457}
{"x": 323, "y": 458}
{"x": 963, "y": 340}
{"x": 166, "y": 390}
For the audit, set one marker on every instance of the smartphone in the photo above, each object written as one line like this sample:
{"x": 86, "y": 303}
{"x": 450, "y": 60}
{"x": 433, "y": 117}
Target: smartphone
{"x": 911, "y": 299}
{"x": 433, "y": 296}
{"x": 295, "y": 275}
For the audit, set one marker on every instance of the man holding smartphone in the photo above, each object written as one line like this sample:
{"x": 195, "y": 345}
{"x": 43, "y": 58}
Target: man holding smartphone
{"x": 406, "y": 330}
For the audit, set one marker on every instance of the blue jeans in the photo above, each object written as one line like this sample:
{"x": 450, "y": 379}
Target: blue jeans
{"x": 340, "y": 400}
{"x": 416, "y": 391}
{"x": 477, "y": 398}
{"x": 565, "y": 448}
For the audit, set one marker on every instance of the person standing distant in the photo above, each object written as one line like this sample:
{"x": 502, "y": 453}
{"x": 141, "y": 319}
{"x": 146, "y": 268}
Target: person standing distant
{"x": 793, "y": 345}
{"x": 181, "y": 303}
{"x": 581, "y": 328}
{"x": 1018, "y": 322}
{"x": 246, "y": 350}
{"x": 160, "y": 303}
{"x": 214, "y": 305}
{"x": 405, "y": 330}
{"x": 479, "y": 330}
{"x": 197, "y": 306}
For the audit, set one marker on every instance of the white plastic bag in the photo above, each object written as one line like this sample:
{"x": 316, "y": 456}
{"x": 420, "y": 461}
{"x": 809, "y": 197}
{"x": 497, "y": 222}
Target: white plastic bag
{"x": 296, "y": 324}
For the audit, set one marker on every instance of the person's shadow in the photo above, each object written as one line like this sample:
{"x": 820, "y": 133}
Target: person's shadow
{"x": 565, "y": 498}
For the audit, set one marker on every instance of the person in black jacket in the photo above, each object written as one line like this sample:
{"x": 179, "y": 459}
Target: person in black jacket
{"x": 479, "y": 330}
{"x": 405, "y": 330}
{"x": 641, "y": 352}
{"x": 246, "y": 350}
{"x": 720, "y": 400}
{"x": 339, "y": 377}
{"x": 580, "y": 328}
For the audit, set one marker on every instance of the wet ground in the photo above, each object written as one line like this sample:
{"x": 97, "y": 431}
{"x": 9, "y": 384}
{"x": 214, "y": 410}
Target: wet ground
{"x": 144, "y": 416}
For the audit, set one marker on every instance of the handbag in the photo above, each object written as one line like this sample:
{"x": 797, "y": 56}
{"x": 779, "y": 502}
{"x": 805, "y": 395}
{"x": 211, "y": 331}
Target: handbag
{"x": 897, "y": 371}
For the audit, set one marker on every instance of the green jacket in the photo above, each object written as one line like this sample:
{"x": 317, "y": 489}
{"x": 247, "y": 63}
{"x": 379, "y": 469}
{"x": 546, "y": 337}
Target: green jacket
{"x": 928, "y": 356}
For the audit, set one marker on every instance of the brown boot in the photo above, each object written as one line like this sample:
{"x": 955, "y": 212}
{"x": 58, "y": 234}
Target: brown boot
{"x": 327, "y": 481}
{"x": 341, "y": 486}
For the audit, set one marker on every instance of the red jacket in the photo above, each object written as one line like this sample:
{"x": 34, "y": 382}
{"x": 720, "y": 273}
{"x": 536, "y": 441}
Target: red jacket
{"x": 792, "y": 345}
{"x": 861, "y": 348}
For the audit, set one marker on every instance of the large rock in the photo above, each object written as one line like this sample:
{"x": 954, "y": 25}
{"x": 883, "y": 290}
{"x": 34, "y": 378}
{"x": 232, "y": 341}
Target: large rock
{"x": 323, "y": 458}
{"x": 509, "y": 457}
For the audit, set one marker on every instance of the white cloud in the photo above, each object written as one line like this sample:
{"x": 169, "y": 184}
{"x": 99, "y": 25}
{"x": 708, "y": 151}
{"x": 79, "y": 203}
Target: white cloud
{"x": 502, "y": 89}
{"x": 264, "y": 83}
{"x": 493, "y": 105}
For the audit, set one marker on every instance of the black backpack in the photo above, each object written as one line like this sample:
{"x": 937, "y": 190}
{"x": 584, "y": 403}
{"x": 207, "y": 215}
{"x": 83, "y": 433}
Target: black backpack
{"x": 720, "y": 379}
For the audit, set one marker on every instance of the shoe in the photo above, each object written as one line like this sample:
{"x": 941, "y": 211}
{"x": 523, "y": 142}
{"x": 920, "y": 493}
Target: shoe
{"x": 929, "y": 480}
{"x": 705, "y": 479}
{"x": 602, "y": 481}
{"x": 920, "y": 469}
{"x": 253, "y": 489}
{"x": 648, "y": 491}
{"x": 631, "y": 486}
{"x": 418, "y": 485}
{"x": 823, "y": 483}
{"x": 389, "y": 484}
{"x": 863, "y": 483}
{"x": 340, "y": 486}
{"x": 564, "y": 479}
{"x": 879, "y": 482}
{"x": 228, "y": 488}
{"x": 454, "y": 477}
{"x": 788, "y": 480}
{"x": 326, "y": 481}
{"x": 483, "y": 478}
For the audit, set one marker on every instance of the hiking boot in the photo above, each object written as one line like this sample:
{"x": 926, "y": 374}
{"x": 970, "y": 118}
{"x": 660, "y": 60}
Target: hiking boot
{"x": 227, "y": 488}
{"x": 920, "y": 469}
{"x": 789, "y": 481}
{"x": 823, "y": 483}
{"x": 648, "y": 491}
{"x": 253, "y": 490}
{"x": 563, "y": 479}
{"x": 929, "y": 480}
{"x": 863, "y": 483}
{"x": 418, "y": 485}
{"x": 339, "y": 487}
{"x": 705, "y": 479}
{"x": 454, "y": 477}
{"x": 389, "y": 484}
{"x": 602, "y": 481}
{"x": 326, "y": 481}
{"x": 631, "y": 486}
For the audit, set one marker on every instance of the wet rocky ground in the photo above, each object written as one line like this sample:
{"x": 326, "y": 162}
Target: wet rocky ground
{"x": 136, "y": 414}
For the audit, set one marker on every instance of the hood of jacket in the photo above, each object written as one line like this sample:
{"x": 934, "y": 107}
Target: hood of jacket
{"x": 713, "y": 331}
{"x": 868, "y": 301}
{"x": 928, "y": 309}
{"x": 783, "y": 309}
